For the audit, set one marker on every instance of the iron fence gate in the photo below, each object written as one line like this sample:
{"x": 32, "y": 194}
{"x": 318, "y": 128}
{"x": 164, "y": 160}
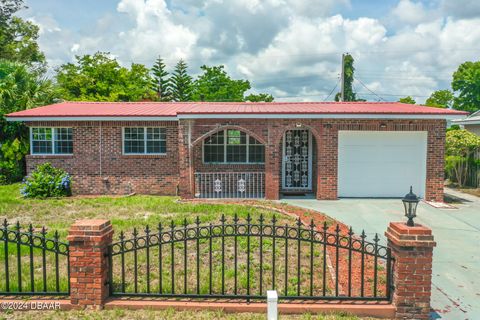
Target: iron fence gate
{"x": 230, "y": 185}
{"x": 33, "y": 264}
{"x": 242, "y": 259}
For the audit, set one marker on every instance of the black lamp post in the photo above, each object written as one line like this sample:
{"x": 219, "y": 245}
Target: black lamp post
{"x": 410, "y": 202}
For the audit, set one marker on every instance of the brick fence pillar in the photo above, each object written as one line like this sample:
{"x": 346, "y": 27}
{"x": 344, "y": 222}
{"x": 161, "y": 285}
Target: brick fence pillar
{"x": 412, "y": 249}
{"x": 89, "y": 240}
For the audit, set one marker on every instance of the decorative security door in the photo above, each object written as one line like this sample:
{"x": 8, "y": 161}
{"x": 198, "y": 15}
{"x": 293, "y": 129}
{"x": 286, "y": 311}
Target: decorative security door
{"x": 297, "y": 160}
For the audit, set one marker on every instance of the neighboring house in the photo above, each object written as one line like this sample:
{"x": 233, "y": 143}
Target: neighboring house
{"x": 470, "y": 123}
{"x": 247, "y": 150}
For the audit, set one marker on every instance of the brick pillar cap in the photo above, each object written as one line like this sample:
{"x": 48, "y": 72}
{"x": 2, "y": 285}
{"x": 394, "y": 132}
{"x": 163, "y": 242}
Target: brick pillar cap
{"x": 90, "y": 230}
{"x": 402, "y": 235}
{"x": 90, "y": 224}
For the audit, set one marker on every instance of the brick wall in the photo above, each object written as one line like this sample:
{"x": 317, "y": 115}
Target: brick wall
{"x": 99, "y": 167}
{"x": 120, "y": 174}
{"x": 325, "y": 135}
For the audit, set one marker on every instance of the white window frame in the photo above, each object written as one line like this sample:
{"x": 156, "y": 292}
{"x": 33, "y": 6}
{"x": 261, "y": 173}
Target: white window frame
{"x": 144, "y": 142}
{"x": 225, "y": 144}
{"x": 53, "y": 153}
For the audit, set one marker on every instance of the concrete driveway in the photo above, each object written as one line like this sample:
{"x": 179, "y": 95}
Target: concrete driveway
{"x": 456, "y": 260}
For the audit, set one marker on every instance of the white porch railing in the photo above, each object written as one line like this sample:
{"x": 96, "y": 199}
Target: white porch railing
{"x": 246, "y": 185}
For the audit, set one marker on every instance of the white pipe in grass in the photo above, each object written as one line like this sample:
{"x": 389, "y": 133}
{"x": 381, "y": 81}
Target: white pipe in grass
{"x": 272, "y": 305}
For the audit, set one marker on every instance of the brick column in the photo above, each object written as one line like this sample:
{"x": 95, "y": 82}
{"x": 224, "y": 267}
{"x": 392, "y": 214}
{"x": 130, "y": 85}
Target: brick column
{"x": 412, "y": 249}
{"x": 186, "y": 172}
{"x": 436, "y": 161}
{"x": 272, "y": 172}
{"x": 89, "y": 240}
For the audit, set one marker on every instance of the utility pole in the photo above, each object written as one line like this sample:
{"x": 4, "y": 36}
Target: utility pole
{"x": 342, "y": 79}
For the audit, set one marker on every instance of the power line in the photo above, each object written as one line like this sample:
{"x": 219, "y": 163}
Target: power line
{"x": 369, "y": 89}
{"x": 393, "y": 95}
{"x": 336, "y": 85}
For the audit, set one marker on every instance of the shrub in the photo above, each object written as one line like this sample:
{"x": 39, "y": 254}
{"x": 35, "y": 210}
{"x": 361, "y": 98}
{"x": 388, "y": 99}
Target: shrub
{"x": 12, "y": 163}
{"x": 460, "y": 147}
{"x": 46, "y": 181}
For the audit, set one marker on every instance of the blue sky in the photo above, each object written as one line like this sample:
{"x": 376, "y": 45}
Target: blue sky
{"x": 289, "y": 48}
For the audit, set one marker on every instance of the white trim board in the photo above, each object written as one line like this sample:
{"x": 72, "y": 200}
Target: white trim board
{"x": 467, "y": 122}
{"x": 316, "y": 116}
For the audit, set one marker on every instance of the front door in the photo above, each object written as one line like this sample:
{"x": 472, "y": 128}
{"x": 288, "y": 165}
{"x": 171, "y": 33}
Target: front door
{"x": 297, "y": 160}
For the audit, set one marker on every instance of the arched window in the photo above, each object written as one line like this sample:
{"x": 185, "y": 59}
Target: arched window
{"x": 232, "y": 146}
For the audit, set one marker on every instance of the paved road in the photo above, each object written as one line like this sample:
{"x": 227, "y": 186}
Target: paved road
{"x": 456, "y": 262}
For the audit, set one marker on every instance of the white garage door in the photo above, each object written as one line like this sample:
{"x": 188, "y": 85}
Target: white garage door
{"x": 381, "y": 164}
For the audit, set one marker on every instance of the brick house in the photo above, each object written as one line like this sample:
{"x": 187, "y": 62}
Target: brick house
{"x": 243, "y": 150}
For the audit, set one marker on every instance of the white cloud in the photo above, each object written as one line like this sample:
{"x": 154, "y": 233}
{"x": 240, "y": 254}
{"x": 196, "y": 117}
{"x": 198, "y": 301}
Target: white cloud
{"x": 290, "y": 48}
{"x": 307, "y": 53}
{"x": 75, "y": 47}
{"x": 155, "y": 32}
{"x": 410, "y": 12}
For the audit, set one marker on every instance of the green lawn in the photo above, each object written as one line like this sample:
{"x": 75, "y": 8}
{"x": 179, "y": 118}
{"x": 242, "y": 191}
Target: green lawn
{"x": 125, "y": 213}
{"x": 137, "y": 211}
{"x": 160, "y": 315}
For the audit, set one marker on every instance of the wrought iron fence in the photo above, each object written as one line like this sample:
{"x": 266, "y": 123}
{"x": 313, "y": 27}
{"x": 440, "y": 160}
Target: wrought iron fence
{"x": 32, "y": 263}
{"x": 230, "y": 185}
{"x": 242, "y": 259}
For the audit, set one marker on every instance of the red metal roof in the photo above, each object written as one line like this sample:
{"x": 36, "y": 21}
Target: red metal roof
{"x": 173, "y": 109}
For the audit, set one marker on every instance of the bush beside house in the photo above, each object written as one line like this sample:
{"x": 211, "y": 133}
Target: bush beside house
{"x": 461, "y": 146}
{"x": 46, "y": 181}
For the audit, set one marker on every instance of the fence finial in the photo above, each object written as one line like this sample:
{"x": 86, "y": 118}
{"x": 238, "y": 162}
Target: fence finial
{"x": 337, "y": 229}
{"x": 350, "y": 231}
{"x": 299, "y": 222}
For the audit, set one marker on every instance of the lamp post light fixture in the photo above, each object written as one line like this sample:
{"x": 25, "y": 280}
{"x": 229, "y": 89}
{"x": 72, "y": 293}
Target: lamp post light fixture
{"x": 410, "y": 202}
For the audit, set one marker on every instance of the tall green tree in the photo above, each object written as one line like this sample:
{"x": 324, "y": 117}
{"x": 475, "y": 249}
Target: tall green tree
{"x": 18, "y": 38}
{"x": 407, "y": 99}
{"x": 181, "y": 82}
{"x": 100, "y": 77}
{"x": 348, "y": 72}
{"x": 440, "y": 99}
{"x": 8, "y": 8}
{"x": 466, "y": 85}
{"x": 216, "y": 85}
{"x": 20, "y": 89}
{"x": 160, "y": 80}
{"x": 265, "y": 97}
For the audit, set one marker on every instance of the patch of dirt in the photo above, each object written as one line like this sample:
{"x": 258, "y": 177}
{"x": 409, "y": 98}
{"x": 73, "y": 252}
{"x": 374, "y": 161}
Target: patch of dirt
{"x": 472, "y": 191}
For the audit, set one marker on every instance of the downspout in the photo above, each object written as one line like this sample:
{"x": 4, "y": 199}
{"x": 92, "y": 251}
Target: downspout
{"x": 190, "y": 160}
{"x": 100, "y": 150}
